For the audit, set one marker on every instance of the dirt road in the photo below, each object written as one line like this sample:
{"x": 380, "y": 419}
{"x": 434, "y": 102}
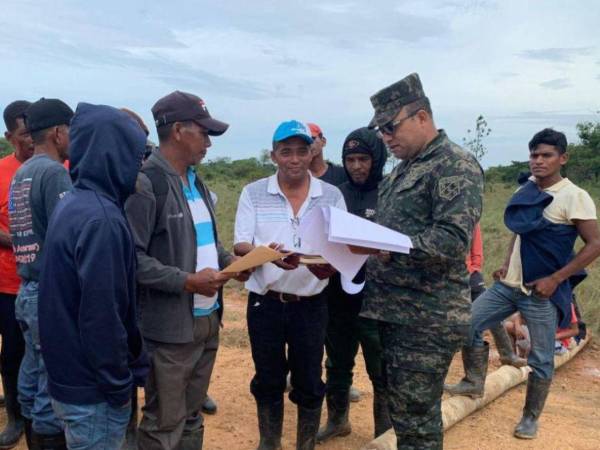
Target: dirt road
{"x": 571, "y": 419}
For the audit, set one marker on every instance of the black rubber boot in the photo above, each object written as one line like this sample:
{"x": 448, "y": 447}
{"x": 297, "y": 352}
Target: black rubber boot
{"x": 338, "y": 406}
{"x": 192, "y": 440}
{"x": 48, "y": 441}
{"x": 130, "y": 442}
{"x": 537, "y": 392}
{"x": 209, "y": 406}
{"x": 308, "y": 425}
{"x": 270, "y": 424}
{"x": 507, "y": 355}
{"x": 381, "y": 413}
{"x": 15, "y": 424}
{"x": 475, "y": 363}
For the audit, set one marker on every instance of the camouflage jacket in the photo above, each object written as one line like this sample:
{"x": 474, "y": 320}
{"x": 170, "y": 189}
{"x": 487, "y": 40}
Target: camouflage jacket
{"x": 436, "y": 199}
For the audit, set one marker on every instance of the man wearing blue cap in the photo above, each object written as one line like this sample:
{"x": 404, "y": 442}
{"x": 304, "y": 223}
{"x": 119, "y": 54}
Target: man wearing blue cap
{"x": 286, "y": 305}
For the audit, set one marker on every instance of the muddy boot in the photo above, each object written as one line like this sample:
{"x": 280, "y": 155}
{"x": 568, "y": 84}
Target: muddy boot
{"x": 15, "y": 424}
{"x": 209, "y": 406}
{"x": 507, "y": 355}
{"x": 270, "y": 424}
{"x": 475, "y": 362}
{"x": 381, "y": 413}
{"x": 338, "y": 406}
{"x": 537, "y": 391}
{"x": 308, "y": 425}
{"x": 192, "y": 440}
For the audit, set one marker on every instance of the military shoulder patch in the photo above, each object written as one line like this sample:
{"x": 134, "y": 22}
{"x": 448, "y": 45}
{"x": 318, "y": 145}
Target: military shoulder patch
{"x": 450, "y": 187}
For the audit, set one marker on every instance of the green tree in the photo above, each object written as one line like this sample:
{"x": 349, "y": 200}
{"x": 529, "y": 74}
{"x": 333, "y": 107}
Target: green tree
{"x": 474, "y": 140}
{"x": 5, "y": 147}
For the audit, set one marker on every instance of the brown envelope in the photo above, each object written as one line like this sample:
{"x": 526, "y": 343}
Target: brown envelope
{"x": 257, "y": 257}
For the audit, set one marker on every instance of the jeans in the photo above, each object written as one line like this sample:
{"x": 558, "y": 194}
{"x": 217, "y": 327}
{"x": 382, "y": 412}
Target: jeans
{"x": 33, "y": 378}
{"x": 93, "y": 427}
{"x": 499, "y": 302}
{"x": 301, "y": 325}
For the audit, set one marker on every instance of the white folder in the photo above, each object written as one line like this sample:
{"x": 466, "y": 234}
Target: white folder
{"x": 329, "y": 230}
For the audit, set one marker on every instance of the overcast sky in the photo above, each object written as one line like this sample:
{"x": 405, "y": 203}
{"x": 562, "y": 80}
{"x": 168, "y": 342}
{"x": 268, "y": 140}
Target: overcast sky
{"x": 523, "y": 65}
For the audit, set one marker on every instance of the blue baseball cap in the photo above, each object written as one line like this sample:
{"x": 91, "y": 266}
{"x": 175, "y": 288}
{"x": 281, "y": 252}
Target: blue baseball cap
{"x": 292, "y": 128}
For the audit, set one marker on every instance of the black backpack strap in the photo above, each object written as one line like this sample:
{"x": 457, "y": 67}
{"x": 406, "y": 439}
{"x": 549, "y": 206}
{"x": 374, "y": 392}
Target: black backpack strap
{"x": 160, "y": 188}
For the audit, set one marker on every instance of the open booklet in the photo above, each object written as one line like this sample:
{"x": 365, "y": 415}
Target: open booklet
{"x": 329, "y": 231}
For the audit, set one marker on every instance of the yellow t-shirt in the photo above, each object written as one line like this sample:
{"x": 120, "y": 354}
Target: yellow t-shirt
{"x": 570, "y": 203}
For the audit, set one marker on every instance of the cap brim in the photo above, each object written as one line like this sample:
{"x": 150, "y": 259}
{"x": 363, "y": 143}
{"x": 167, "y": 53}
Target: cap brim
{"x": 305, "y": 137}
{"x": 372, "y": 123}
{"x": 215, "y": 127}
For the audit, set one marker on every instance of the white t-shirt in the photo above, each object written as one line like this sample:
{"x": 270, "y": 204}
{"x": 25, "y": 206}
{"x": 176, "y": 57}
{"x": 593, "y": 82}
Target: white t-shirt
{"x": 265, "y": 215}
{"x": 570, "y": 203}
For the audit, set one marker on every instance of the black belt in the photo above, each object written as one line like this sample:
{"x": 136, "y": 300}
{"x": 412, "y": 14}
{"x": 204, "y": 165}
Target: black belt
{"x": 284, "y": 297}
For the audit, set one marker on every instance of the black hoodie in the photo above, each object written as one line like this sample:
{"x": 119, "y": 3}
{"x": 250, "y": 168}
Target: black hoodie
{"x": 87, "y": 318}
{"x": 361, "y": 199}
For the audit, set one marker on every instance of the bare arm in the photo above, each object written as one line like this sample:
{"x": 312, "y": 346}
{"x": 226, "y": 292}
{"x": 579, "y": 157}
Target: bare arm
{"x": 501, "y": 272}
{"x": 567, "y": 333}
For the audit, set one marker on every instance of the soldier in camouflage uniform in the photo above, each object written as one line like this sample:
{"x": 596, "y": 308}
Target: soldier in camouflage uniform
{"x": 421, "y": 300}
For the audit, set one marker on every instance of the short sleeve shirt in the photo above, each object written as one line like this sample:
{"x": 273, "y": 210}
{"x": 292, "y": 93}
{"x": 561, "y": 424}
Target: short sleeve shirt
{"x": 264, "y": 215}
{"x": 570, "y": 203}
{"x": 9, "y": 281}
{"x": 35, "y": 191}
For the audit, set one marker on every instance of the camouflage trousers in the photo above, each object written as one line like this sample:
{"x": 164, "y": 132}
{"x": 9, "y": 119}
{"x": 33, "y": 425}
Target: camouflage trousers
{"x": 416, "y": 361}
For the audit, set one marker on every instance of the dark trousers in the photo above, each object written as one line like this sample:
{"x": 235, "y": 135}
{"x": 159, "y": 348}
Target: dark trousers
{"x": 345, "y": 332}
{"x": 416, "y": 361}
{"x": 13, "y": 345}
{"x": 177, "y": 386}
{"x": 301, "y": 325}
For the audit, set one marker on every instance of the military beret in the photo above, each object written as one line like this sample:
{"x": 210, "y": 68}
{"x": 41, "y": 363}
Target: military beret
{"x": 46, "y": 113}
{"x": 389, "y": 101}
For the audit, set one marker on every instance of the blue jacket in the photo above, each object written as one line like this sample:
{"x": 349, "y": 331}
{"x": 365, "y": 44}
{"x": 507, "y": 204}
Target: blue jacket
{"x": 87, "y": 314}
{"x": 545, "y": 246}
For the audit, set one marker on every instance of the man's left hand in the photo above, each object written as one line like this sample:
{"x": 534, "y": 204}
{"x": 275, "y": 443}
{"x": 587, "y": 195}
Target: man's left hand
{"x": 544, "y": 287}
{"x": 321, "y": 271}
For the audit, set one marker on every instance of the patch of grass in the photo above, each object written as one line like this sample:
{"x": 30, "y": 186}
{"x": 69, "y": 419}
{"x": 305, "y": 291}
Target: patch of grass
{"x": 235, "y": 337}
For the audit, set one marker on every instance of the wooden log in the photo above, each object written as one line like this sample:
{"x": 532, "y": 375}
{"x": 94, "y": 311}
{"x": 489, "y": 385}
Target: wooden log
{"x": 455, "y": 409}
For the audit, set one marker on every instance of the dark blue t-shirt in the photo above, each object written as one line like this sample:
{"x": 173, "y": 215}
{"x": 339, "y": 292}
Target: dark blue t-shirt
{"x": 35, "y": 190}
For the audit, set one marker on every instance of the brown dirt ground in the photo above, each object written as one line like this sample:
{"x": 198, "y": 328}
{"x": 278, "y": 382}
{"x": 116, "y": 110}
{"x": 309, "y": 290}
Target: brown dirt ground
{"x": 571, "y": 419}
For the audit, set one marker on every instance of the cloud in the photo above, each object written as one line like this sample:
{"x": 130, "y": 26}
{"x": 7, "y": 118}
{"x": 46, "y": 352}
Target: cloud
{"x": 557, "y": 83}
{"x": 556, "y": 54}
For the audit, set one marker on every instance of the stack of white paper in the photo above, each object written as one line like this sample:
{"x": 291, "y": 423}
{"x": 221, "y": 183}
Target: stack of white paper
{"x": 329, "y": 231}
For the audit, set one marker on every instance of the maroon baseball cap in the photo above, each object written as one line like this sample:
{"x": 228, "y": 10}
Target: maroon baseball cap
{"x": 182, "y": 107}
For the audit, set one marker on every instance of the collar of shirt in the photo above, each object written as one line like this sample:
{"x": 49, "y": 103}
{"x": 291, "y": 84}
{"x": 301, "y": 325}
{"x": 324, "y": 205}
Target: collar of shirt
{"x": 314, "y": 190}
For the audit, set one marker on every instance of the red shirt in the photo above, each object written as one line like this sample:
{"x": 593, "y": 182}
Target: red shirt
{"x": 475, "y": 256}
{"x": 9, "y": 280}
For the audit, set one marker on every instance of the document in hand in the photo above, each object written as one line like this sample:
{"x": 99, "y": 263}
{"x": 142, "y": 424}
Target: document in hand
{"x": 257, "y": 257}
{"x": 329, "y": 230}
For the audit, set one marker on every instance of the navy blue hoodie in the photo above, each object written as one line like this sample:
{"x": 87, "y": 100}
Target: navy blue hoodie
{"x": 89, "y": 337}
